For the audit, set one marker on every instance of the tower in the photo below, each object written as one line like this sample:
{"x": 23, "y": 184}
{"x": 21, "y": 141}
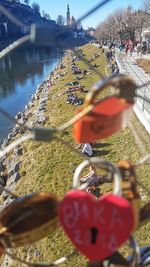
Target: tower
{"x": 68, "y": 15}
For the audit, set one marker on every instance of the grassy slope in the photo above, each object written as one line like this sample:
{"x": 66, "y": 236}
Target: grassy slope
{"x": 145, "y": 64}
{"x": 49, "y": 166}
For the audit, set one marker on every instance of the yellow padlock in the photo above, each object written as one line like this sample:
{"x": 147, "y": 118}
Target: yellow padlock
{"x": 28, "y": 219}
{"x": 129, "y": 187}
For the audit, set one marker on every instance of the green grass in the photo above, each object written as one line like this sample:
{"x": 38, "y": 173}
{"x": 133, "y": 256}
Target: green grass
{"x": 49, "y": 166}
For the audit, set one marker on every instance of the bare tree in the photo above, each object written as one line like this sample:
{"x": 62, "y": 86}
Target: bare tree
{"x": 26, "y": 2}
{"x": 36, "y": 7}
{"x": 45, "y": 15}
{"x": 60, "y": 20}
{"x": 123, "y": 24}
{"x": 114, "y": 27}
{"x": 142, "y": 20}
{"x": 146, "y": 6}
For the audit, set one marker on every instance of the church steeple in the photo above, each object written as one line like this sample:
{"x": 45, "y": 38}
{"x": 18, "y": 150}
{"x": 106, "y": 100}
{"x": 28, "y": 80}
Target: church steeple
{"x": 68, "y": 15}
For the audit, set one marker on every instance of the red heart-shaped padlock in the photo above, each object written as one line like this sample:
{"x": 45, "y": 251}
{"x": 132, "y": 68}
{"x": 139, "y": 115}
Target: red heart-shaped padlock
{"x": 96, "y": 227}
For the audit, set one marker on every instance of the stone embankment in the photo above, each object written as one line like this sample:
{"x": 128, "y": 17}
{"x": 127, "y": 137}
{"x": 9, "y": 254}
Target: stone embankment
{"x": 32, "y": 116}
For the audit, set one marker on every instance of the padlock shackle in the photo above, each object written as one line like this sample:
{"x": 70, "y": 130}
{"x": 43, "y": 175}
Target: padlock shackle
{"x": 103, "y": 164}
{"x": 127, "y": 88}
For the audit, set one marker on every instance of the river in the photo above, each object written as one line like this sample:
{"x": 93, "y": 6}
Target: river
{"x": 20, "y": 74}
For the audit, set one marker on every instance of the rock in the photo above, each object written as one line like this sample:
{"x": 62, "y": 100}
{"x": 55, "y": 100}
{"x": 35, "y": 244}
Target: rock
{"x": 18, "y": 116}
{"x": 41, "y": 119}
{"x": 18, "y": 151}
{"x": 41, "y": 107}
{"x": 5, "y": 194}
{"x": 10, "y": 188}
{"x": 3, "y": 179}
{"x": 37, "y": 97}
{"x": 43, "y": 100}
{"x": 5, "y": 143}
{"x": 1, "y": 189}
{"x": 15, "y": 130}
{"x": 17, "y": 166}
{"x": 10, "y": 173}
{"x": 21, "y": 131}
{"x": 29, "y": 114}
{"x": 26, "y": 107}
{"x": 30, "y": 105}
{"x": 2, "y": 168}
{"x": 7, "y": 261}
{"x": 21, "y": 121}
{"x": 10, "y": 136}
{"x": 16, "y": 177}
{"x": 31, "y": 124}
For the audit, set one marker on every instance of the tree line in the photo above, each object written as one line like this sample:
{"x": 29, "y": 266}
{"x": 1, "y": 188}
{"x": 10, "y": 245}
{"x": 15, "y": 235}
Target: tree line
{"x": 35, "y": 6}
{"x": 125, "y": 24}
{"x": 60, "y": 20}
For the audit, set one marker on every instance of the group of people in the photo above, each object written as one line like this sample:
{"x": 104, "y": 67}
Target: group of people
{"x": 112, "y": 62}
{"x": 73, "y": 99}
{"x": 129, "y": 47}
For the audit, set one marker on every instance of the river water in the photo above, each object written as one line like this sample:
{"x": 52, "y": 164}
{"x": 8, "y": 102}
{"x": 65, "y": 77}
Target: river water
{"x": 20, "y": 74}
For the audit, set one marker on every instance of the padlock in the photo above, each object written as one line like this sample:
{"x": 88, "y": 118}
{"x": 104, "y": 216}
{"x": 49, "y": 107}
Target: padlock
{"x": 107, "y": 116}
{"x": 129, "y": 187}
{"x": 145, "y": 214}
{"x": 28, "y": 219}
{"x": 2, "y": 250}
{"x": 96, "y": 226}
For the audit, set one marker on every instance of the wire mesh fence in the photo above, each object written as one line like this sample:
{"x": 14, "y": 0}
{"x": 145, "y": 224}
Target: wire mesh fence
{"x": 25, "y": 220}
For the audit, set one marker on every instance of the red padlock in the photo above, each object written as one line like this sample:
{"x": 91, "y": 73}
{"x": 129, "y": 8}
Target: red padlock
{"x": 107, "y": 116}
{"x": 96, "y": 226}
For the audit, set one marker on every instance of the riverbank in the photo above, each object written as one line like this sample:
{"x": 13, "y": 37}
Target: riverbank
{"x": 50, "y": 166}
{"x": 32, "y": 116}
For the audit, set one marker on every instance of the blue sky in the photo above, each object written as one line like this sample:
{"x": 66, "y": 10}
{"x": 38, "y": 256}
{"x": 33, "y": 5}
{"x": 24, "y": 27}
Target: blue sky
{"x": 79, "y": 7}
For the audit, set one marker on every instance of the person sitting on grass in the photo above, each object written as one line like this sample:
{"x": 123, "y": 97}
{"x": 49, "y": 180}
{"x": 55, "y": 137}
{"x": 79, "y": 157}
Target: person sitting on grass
{"x": 92, "y": 178}
{"x": 87, "y": 150}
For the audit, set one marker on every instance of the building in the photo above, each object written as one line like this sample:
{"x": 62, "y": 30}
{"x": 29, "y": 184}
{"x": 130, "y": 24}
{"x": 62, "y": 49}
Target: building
{"x": 75, "y": 27}
{"x": 91, "y": 31}
{"x": 68, "y": 15}
{"x": 70, "y": 20}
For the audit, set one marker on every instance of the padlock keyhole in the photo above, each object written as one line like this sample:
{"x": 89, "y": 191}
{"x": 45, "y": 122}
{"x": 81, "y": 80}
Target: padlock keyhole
{"x": 94, "y": 233}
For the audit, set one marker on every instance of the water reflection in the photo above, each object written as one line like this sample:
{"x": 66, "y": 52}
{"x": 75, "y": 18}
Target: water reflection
{"x": 20, "y": 65}
{"x": 20, "y": 73}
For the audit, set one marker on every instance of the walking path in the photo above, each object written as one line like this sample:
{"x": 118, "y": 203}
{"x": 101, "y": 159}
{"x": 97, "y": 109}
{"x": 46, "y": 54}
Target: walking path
{"x": 128, "y": 65}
